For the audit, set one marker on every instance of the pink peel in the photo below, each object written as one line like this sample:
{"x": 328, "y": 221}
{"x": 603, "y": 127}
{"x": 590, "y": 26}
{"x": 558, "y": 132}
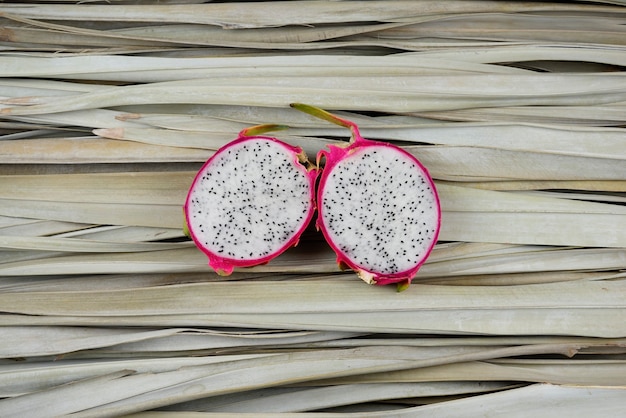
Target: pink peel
{"x": 333, "y": 156}
{"x": 224, "y": 265}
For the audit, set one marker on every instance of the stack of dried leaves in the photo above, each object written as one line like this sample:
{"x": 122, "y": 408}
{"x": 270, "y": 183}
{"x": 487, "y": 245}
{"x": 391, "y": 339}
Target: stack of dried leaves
{"x": 107, "y": 109}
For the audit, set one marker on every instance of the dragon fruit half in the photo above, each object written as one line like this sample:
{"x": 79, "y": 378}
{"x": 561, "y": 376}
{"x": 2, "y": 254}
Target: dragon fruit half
{"x": 250, "y": 201}
{"x": 377, "y": 207}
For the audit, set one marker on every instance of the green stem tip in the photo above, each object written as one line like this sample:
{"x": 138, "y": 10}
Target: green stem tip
{"x": 261, "y": 129}
{"x": 185, "y": 225}
{"x": 327, "y": 116}
{"x": 403, "y": 285}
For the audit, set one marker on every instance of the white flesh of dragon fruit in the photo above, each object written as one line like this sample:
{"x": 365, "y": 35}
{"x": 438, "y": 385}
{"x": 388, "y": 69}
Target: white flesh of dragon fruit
{"x": 250, "y": 202}
{"x": 378, "y": 207}
{"x": 380, "y": 211}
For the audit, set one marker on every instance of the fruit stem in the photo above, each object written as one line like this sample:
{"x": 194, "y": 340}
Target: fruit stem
{"x": 403, "y": 285}
{"x": 327, "y": 116}
{"x": 261, "y": 129}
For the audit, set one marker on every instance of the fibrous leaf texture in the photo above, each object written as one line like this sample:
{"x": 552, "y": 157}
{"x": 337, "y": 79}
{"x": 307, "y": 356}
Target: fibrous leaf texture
{"x": 108, "y": 110}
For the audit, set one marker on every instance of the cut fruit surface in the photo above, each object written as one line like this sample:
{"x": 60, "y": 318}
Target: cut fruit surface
{"x": 378, "y": 207}
{"x": 250, "y": 202}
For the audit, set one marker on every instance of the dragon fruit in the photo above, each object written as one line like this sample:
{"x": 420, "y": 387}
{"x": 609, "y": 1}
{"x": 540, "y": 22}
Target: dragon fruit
{"x": 377, "y": 207}
{"x": 251, "y": 201}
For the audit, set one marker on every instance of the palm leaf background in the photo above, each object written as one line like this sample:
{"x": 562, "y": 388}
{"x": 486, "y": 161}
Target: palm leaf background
{"x": 107, "y": 109}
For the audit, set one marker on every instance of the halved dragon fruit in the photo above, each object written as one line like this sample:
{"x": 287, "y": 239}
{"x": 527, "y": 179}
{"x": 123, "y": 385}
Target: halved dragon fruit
{"x": 377, "y": 207}
{"x": 250, "y": 201}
